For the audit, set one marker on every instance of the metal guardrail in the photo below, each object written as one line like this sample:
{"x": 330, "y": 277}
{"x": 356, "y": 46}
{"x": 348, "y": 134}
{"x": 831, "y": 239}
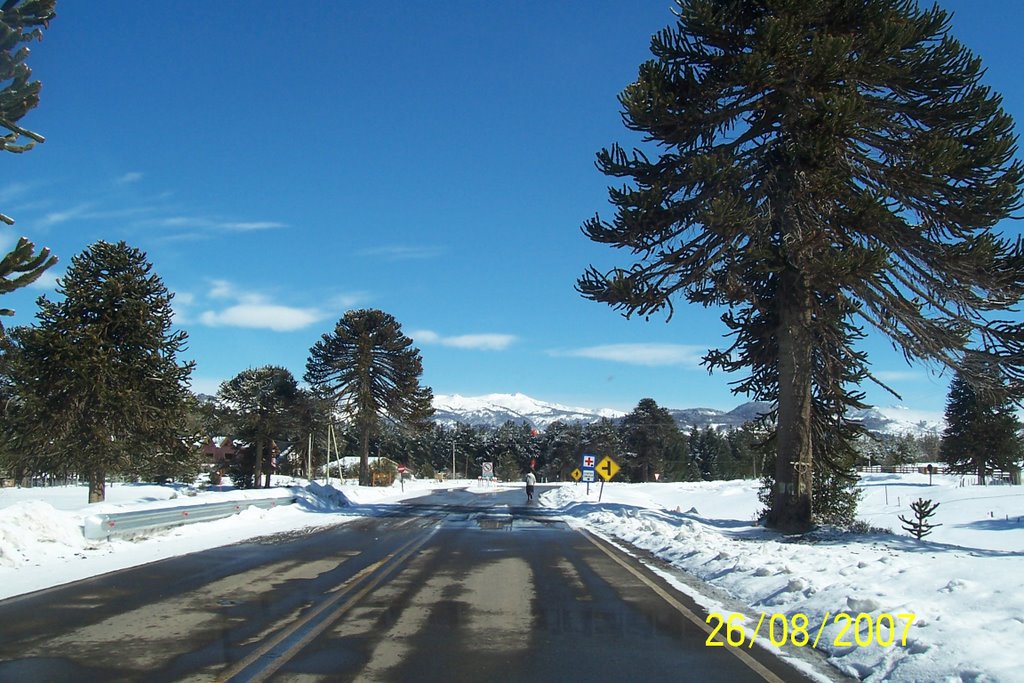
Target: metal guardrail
{"x": 103, "y": 526}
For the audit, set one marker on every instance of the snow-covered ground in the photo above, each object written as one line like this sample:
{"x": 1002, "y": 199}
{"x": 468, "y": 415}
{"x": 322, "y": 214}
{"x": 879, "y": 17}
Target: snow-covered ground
{"x": 964, "y": 583}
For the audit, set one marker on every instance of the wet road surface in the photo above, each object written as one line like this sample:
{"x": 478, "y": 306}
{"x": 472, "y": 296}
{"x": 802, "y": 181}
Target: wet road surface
{"x": 450, "y": 587}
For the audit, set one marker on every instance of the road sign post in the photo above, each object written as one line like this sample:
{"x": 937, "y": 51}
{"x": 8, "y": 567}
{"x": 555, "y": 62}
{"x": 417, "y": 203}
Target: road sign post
{"x": 588, "y": 464}
{"x": 607, "y": 468}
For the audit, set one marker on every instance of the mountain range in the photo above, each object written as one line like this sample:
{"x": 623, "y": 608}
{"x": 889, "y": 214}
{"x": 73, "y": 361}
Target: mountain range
{"x": 497, "y": 409}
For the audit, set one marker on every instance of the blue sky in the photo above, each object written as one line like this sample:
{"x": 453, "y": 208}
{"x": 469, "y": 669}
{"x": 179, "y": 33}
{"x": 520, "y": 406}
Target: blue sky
{"x": 281, "y": 163}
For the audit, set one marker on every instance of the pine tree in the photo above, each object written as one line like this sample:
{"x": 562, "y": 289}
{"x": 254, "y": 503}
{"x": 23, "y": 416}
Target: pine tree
{"x": 372, "y": 371}
{"x": 647, "y": 432}
{"x": 97, "y": 385}
{"x": 823, "y": 165}
{"x": 563, "y": 446}
{"x": 21, "y": 21}
{"x": 982, "y": 430}
{"x": 512, "y": 447}
{"x": 602, "y": 439}
{"x": 263, "y": 403}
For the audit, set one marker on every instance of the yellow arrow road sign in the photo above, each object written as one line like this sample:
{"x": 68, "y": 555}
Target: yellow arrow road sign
{"x": 576, "y": 474}
{"x": 607, "y": 468}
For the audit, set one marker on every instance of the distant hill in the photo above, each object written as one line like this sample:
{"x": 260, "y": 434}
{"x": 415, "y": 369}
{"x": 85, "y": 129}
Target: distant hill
{"x": 496, "y": 409}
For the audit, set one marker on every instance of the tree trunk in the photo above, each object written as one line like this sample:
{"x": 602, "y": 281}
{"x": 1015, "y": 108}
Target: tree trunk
{"x": 258, "y": 465}
{"x": 981, "y": 471}
{"x": 269, "y": 464}
{"x": 97, "y": 486}
{"x": 364, "y": 456}
{"x": 791, "y": 502}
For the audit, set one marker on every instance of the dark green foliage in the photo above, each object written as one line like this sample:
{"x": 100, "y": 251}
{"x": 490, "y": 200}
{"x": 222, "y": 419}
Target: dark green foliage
{"x": 371, "y": 371}
{"x": 262, "y": 404}
{"x": 892, "y": 450}
{"x": 602, "y": 438}
{"x": 512, "y": 448}
{"x": 21, "y": 21}
{"x": 467, "y": 442}
{"x": 647, "y": 433}
{"x": 706, "y": 448}
{"x": 563, "y": 448}
{"x": 821, "y": 165}
{"x": 311, "y": 417}
{"x": 97, "y": 388}
{"x": 920, "y": 527}
{"x": 982, "y": 430}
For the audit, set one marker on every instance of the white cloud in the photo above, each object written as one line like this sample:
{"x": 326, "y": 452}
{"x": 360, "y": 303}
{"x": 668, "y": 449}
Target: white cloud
{"x": 58, "y": 217}
{"x": 348, "y": 300}
{"x": 221, "y": 289}
{"x": 211, "y": 224}
{"x": 256, "y": 310}
{"x": 262, "y": 316}
{"x": 483, "y": 342}
{"x": 128, "y": 178}
{"x": 479, "y": 342}
{"x": 13, "y": 191}
{"x": 899, "y": 375}
{"x": 641, "y": 354}
{"x": 244, "y": 226}
{"x": 402, "y": 252}
{"x": 184, "y": 298}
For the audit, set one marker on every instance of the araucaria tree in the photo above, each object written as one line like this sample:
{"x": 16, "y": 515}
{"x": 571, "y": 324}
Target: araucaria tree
{"x": 982, "y": 431}
{"x": 372, "y": 371}
{"x": 262, "y": 403}
{"x": 96, "y": 383}
{"x": 822, "y": 165}
{"x": 21, "y": 21}
{"x": 648, "y": 432}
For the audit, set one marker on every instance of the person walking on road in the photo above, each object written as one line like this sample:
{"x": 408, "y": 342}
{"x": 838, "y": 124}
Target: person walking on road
{"x": 531, "y": 481}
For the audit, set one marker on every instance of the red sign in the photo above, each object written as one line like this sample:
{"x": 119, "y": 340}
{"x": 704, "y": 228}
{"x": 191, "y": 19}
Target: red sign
{"x": 401, "y": 469}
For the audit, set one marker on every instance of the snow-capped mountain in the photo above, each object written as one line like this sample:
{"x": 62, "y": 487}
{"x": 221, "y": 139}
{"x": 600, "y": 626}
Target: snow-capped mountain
{"x": 496, "y": 409}
{"x": 901, "y": 420}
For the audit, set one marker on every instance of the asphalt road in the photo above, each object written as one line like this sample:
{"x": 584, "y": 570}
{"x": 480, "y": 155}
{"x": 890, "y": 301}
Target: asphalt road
{"x": 453, "y": 587}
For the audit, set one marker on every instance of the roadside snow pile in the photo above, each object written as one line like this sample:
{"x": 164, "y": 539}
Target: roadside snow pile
{"x": 33, "y": 531}
{"x": 966, "y": 598}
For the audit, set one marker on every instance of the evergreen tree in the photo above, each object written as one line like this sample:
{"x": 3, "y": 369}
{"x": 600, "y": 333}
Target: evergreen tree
{"x": 677, "y": 457}
{"x": 462, "y": 444}
{"x": 312, "y": 414}
{"x": 512, "y": 447}
{"x": 372, "y": 372}
{"x": 21, "y": 21}
{"x": 982, "y": 430}
{"x": 745, "y": 454}
{"x": 892, "y": 450}
{"x": 97, "y": 384}
{"x": 563, "y": 446}
{"x": 824, "y": 164}
{"x": 602, "y": 439}
{"x": 263, "y": 404}
{"x": 647, "y": 432}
